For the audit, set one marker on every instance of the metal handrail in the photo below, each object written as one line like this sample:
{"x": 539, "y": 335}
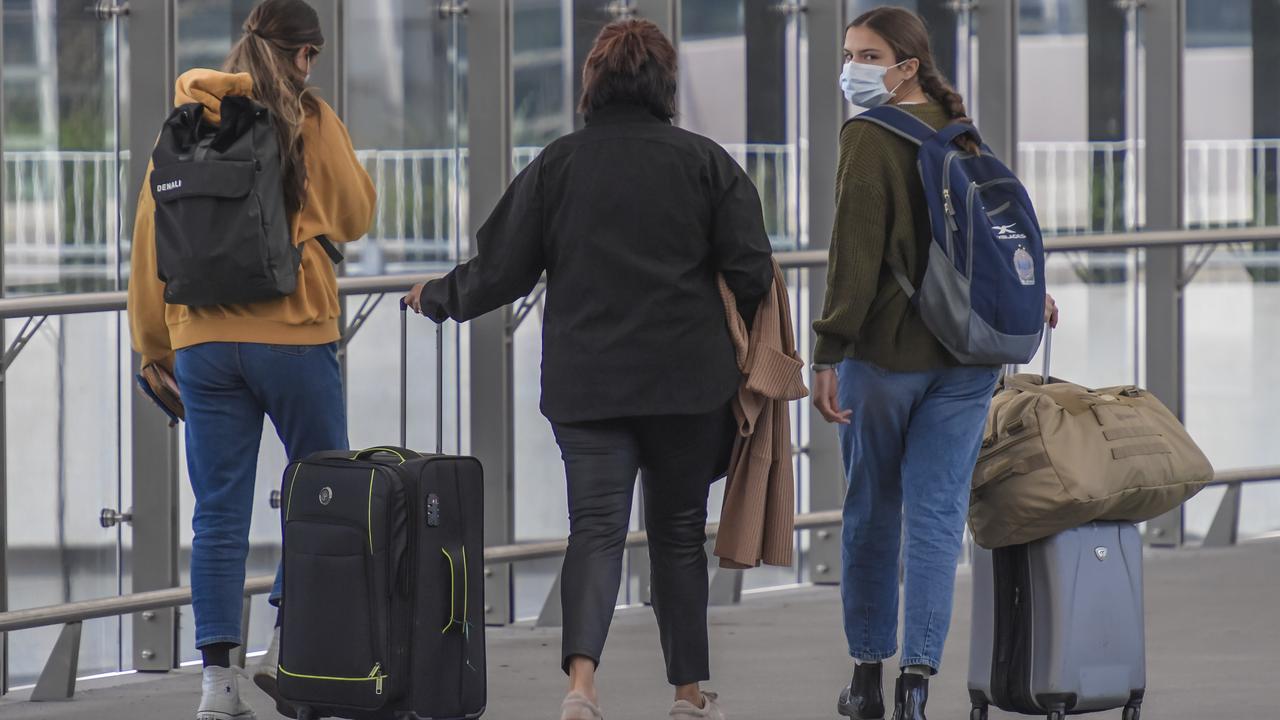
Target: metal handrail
{"x": 115, "y": 301}
{"x": 176, "y": 597}
{"x": 80, "y": 303}
{"x": 499, "y": 554}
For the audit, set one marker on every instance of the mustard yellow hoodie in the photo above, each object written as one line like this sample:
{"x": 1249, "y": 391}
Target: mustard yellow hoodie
{"x": 339, "y": 205}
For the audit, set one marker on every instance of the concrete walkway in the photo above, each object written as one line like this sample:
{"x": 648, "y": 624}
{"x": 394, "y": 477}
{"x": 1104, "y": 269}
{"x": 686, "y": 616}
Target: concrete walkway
{"x": 1213, "y": 636}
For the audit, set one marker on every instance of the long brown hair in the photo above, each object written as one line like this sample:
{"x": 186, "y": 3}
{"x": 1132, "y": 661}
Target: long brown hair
{"x": 908, "y": 37}
{"x": 273, "y": 34}
{"x": 631, "y": 62}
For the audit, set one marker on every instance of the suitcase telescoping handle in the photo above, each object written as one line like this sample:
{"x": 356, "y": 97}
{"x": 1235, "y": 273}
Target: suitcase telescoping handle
{"x": 1048, "y": 351}
{"x": 404, "y": 380}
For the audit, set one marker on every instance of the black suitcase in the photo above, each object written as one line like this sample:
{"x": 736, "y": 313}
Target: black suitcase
{"x": 384, "y": 586}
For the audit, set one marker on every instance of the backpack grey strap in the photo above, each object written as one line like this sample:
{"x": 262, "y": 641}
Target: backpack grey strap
{"x": 903, "y": 281}
{"x": 327, "y": 245}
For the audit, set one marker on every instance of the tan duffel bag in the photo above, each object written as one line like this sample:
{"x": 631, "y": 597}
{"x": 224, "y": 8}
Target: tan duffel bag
{"x": 1056, "y": 456}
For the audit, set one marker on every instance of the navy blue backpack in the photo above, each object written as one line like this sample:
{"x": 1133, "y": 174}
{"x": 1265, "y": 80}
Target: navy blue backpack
{"x": 983, "y": 290}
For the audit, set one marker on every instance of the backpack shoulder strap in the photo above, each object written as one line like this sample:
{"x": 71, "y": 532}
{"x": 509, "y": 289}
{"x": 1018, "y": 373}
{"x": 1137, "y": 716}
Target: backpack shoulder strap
{"x": 899, "y": 122}
{"x": 335, "y": 256}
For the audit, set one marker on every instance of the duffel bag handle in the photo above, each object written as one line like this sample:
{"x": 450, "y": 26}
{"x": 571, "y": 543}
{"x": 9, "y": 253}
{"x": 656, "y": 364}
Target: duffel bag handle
{"x": 404, "y": 454}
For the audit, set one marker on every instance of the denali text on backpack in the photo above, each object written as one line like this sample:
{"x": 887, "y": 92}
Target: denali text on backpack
{"x": 222, "y": 232}
{"x": 983, "y": 290}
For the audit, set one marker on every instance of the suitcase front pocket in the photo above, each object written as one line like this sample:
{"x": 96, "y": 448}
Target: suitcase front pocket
{"x": 334, "y": 648}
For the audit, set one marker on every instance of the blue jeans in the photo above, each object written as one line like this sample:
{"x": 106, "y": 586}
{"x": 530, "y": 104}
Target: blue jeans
{"x": 909, "y": 451}
{"x": 227, "y": 388}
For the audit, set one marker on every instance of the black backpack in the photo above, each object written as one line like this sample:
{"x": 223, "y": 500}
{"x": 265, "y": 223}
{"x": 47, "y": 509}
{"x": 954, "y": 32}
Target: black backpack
{"x": 222, "y": 232}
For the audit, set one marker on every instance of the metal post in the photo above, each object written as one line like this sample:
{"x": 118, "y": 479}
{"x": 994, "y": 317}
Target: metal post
{"x": 1163, "y": 28}
{"x": 998, "y": 74}
{"x": 826, "y": 21}
{"x": 492, "y": 396}
{"x": 4, "y": 425}
{"x": 1225, "y": 530}
{"x": 155, "y": 444}
{"x": 327, "y": 73}
{"x": 663, "y": 13}
{"x": 58, "y": 678}
{"x": 241, "y": 654}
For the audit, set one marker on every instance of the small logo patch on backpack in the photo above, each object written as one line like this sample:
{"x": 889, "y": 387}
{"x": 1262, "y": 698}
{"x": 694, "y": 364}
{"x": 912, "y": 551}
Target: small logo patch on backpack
{"x": 1009, "y": 232}
{"x": 1025, "y": 266}
{"x": 166, "y": 187}
{"x": 326, "y": 496}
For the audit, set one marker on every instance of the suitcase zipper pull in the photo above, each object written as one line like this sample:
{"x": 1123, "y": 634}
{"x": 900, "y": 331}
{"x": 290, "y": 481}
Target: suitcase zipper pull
{"x": 377, "y": 676}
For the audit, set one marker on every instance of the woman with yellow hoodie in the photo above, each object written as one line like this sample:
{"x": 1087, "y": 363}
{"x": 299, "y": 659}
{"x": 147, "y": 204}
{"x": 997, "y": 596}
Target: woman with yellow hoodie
{"x": 278, "y": 358}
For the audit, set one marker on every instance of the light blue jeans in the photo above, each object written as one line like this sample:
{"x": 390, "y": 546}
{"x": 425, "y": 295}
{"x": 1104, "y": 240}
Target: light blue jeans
{"x": 227, "y": 388}
{"x": 909, "y": 454}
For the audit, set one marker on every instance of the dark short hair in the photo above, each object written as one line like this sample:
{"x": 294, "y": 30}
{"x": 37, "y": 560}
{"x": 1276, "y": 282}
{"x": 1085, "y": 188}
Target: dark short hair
{"x": 631, "y": 62}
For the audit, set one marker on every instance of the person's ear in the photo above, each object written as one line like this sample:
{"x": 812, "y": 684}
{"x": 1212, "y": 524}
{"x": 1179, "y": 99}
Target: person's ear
{"x": 911, "y": 69}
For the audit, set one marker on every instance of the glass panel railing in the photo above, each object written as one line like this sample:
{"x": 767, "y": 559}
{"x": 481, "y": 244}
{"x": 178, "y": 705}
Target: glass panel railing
{"x": 1232, "y": 382}
{"x": 64, "y": 465}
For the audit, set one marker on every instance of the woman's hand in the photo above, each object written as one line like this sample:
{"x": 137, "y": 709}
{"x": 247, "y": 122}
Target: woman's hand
{"x": 825, "y": 397}
{"x": 413, "y": 300}
{"x": 1050, "y": 311}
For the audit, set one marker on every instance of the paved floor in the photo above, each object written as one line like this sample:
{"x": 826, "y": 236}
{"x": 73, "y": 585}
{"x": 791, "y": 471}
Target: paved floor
{"x": 1213, "y": 651}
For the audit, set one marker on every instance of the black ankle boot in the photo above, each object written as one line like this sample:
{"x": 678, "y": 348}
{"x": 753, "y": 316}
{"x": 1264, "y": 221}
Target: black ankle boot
{"x": 864, "y": 698}
{"x": 910, "y": 695}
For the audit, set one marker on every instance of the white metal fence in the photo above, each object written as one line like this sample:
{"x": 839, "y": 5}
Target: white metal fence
{"x": 61, "y": 208}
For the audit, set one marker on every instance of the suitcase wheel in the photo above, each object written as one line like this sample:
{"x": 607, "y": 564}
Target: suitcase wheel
{"x": 1057, "y": 715}
{"x": 1132, "y": 712}
{"x": 979, "y": 712}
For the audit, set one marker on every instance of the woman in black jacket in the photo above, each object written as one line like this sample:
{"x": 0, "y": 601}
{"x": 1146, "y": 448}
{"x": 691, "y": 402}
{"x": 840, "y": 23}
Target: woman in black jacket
{"x": 631, "y": 219}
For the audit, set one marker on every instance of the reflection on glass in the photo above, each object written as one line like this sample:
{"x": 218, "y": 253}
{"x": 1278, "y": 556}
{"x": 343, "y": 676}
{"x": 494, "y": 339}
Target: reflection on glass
{"x": 405, "y": 110}
{"x": 61, "y": 89}
{"x": 543, "y": 77}
{"x": 1233, "y": 304}
{"x": 740, "y": 86}
{"x": 207, "y": 29}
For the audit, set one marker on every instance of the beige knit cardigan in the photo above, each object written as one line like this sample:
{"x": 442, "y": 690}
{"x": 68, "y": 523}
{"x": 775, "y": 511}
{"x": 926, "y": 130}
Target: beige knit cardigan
{"x": 757, "y": 522}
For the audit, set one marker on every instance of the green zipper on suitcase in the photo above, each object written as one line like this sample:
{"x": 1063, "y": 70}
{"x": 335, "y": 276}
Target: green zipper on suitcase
{"x": 375, "y": 675}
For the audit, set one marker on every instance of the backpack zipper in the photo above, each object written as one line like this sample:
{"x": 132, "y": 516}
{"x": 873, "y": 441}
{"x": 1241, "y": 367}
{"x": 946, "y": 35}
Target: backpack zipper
{"x": 948, "y": 202}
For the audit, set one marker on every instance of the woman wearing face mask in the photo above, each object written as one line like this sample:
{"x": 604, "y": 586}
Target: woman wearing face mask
{"x": 910, "y": 417}
{"x": 278, "y": 358}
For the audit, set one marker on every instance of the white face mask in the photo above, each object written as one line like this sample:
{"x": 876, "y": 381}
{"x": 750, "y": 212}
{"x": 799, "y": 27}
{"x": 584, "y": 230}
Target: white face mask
{"x": 863, "y": 84}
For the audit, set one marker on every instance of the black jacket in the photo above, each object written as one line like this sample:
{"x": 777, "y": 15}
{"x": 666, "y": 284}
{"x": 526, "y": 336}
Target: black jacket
{"x": 631, "y": 218}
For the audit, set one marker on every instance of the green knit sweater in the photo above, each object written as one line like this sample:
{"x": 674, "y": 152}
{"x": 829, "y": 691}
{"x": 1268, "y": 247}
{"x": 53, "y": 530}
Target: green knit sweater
{"x": 881, "y": 218}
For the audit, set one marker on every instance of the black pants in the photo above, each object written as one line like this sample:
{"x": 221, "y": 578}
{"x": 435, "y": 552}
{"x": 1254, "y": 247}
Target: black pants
{"x": 678, "y": 457}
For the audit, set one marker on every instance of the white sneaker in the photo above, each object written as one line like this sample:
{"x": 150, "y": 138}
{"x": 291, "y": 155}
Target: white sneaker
{"x": 710, "y": 710}
{"x": 220, "y": 696}
{"x": 265, "y": 674}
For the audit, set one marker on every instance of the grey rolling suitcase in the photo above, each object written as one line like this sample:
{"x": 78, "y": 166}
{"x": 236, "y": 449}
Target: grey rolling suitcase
{"x": 1058, "y": 625}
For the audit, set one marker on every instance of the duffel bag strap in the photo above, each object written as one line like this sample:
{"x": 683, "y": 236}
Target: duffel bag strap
{"x": 1022, "y": 466}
